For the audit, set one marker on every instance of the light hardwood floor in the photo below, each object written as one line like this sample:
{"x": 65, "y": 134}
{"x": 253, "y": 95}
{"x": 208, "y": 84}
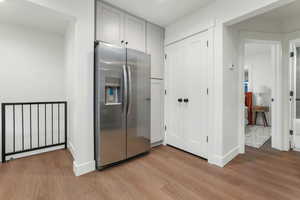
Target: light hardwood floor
{"x": 165, "y": 174}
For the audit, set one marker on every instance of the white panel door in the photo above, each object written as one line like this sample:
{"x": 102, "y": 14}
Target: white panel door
{"x": 157, "y": 110}
{"x": 188, "y": 74}
{"x": 135, "y": 33}
{"x": 110, "y": 24}
{"x": 155, "y": 47}
{"x": 196, "y": 95}
{"x": 175, "y": 62}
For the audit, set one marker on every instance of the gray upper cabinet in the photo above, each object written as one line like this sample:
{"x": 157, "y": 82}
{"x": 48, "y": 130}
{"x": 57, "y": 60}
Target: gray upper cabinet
{"x": 110, "y": 24}
{"x": 155, "y": 47}
{"x": 115, "y": 26}
{"x": 135, "y": 33}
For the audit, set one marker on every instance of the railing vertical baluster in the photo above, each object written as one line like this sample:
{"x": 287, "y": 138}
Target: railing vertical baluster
{"x": 3, "y": 132}
{"x": 14, "y": 129}
{"x": 22, "y": 109}
{"x": 38, "y": 123}
{"x": 52, "y": 120}
{"x": 30, "y": 126}
{"x": 58, "y": 122}
{"x": 66, "y": 125}
{"x": 23, "y": 118}
{"x": 45, "y": 124}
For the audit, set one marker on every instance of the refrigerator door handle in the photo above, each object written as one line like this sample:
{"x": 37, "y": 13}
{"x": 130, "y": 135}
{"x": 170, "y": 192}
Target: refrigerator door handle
{"x": 129, "y": 89}
{"x": 125, "y": 91}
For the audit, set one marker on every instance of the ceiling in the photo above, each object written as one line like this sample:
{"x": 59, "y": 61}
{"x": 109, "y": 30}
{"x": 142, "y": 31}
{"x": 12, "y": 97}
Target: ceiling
{"x": 31, "y": 15}
{"x": 161, "y": 12}
{"x": 284, "y": 13}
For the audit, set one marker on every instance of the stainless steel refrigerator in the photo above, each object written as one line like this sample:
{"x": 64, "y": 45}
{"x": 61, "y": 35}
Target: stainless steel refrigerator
{"x": 122, "y": 104}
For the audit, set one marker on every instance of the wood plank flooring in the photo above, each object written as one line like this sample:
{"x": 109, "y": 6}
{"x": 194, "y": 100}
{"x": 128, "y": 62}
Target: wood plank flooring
{"x": 165, "y": 174}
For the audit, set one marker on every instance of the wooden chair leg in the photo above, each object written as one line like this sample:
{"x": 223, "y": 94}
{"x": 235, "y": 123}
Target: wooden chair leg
{"x": 265, "y": 119}
{"x": 255, "y": 118}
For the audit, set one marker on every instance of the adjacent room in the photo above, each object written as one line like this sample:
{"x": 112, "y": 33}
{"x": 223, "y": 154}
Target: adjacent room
{"x": 258, "y": 85}
{"x": 33, "y": 79}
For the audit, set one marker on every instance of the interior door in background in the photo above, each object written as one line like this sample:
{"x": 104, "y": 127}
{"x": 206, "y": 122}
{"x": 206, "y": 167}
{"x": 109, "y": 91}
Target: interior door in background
{"x": 296, "y": 97}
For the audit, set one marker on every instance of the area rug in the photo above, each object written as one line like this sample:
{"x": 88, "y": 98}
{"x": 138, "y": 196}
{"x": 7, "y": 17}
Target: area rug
{"x": 256, "y": 136}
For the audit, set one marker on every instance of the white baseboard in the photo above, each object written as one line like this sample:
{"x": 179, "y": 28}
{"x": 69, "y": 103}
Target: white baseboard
{"x": 155, "y": 144}
{"x": 84, "y": 168}
{"x": 296, "y": 149}
{"x": 72, "y": 149}
{"x": 222, "y": 161}
{"x": 36, "y": 152}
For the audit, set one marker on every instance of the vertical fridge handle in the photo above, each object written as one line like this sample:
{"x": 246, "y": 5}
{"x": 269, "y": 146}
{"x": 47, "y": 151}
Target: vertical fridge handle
{"x": 125, "y": 91}
{"x": 129, "y": 89}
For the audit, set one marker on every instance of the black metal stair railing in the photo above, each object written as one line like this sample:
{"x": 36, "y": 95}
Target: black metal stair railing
{"x": 33, "y": 126}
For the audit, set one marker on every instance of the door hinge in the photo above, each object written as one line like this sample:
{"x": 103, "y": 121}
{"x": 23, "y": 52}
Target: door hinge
{"x": 165, "y": 127}
{"x": 292, "y": 54}
{"x": 207, "y": 139}
{"x": 165, "y": 92}
{"x": 207, "y": 91}
{"x": 166, "y": 56}
{"x": 291, "y": 93}
{"x": 207, "y": 43}
{"x": 291, "y": 132}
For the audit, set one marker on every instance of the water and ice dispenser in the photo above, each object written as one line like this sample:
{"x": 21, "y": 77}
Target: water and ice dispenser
{"x": 112, "y": 91}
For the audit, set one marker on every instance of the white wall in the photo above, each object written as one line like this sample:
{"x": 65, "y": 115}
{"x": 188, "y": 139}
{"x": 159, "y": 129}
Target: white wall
{"x": 32, "y": 65}
{"x": 217, "y": 15}
{"x": 230, "y": 88}
{"x": 80, "y": 79}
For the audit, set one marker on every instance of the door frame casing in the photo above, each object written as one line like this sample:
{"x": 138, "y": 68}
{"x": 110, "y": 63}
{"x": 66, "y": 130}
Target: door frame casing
{"x": 168, "y": 112}
{"x": 277, "y": 131}
{"x": 293, "y": 44}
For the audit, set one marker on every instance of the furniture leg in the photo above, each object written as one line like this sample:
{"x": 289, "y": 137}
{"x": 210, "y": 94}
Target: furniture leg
{"x": 265, "y": 119}
{"x": 255, "y": 118}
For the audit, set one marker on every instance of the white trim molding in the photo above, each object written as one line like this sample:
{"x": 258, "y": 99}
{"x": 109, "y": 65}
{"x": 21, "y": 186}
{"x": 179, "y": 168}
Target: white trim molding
{"x": 277, "y": 129}
{"x": 84, "y": 168}
{"x": 72, "y": 149}
{"x": 222, "y": 161}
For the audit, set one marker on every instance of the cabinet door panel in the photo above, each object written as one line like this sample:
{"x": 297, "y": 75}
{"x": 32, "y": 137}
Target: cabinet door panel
{"x": 110, "y": 24}
{"x": 157, "y": 111}
{"x": 155, "y": 47}
{"x": 135, "y": 33}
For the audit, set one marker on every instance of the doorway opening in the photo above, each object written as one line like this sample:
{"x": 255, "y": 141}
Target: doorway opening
{"x": 259, "y": 62}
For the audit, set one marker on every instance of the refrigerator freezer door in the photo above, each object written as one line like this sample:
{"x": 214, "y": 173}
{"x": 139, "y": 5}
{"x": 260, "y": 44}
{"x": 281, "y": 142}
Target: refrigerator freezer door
{"x": 111, "y": 104}
{"x": 139, "y": 112}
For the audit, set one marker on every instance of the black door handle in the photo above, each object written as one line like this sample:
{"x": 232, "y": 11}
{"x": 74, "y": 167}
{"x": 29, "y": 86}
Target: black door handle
{"x": 180, "y": 100}
{"x": 186, "y": 100}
